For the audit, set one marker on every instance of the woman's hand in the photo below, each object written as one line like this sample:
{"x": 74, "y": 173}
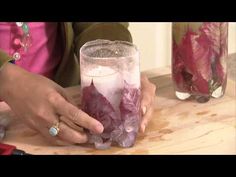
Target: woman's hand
{"x": 148, "y": 90}
{"x": 41, "y": 103}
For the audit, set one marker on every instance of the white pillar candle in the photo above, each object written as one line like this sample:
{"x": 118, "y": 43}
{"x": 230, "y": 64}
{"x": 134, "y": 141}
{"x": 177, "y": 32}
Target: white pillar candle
{"x": 107, "y": 81}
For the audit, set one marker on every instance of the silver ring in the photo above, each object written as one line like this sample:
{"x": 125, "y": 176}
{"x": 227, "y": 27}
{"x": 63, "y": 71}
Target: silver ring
{"x": 54, "y": 130}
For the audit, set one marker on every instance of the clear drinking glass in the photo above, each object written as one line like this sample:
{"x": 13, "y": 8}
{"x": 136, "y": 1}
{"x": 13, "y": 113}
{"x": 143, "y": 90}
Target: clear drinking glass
{"x": 110, "y": 87}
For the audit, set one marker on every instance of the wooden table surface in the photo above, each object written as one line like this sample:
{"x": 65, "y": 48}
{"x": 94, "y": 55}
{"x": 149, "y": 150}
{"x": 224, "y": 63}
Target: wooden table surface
{"x": 177, "y": 127}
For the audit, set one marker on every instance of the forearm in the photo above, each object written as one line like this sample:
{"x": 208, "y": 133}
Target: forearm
{"x": 9, "y": 74}
{"x": 4, "y": 58}
{"x": 4, "y": 73}
{"x": 4, "y": 70}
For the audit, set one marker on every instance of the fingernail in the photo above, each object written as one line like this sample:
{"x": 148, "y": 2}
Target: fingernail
{"x": 144, "y": 109}
{"x": 99, "y": 128}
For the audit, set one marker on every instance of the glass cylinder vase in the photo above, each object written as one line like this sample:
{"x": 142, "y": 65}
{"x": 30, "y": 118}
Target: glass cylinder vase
{"x": 110, "y": 86}
{"x": 199, "y": 53}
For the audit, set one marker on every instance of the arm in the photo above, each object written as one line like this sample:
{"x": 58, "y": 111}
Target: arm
{"x": 4, "y": 57}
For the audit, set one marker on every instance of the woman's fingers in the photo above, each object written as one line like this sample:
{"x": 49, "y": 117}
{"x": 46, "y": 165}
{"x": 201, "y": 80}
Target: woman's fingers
{"x": 52, "y": 140}
{"x": 147, "y": 101}
{"x": 146, "y": 119}
{"x": 71, "y": 124}
{"x": 76, "y": 115}
{"x": 65, "y": 136}
{"x": 72, "y": 136}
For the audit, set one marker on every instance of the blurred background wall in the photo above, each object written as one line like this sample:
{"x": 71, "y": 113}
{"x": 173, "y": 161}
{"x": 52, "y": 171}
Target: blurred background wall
{"x": 154, "y": 42}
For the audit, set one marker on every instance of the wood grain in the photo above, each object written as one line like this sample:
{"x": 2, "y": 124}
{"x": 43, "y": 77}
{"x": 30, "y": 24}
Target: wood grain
{"x": 177, "y": 127}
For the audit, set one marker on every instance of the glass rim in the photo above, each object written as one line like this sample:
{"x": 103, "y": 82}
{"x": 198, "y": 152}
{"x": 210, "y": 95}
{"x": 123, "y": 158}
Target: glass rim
{"x": 98, "y": 42}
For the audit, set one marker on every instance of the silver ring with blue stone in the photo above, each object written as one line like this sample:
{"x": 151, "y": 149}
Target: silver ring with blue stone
{"x": 54, "y": 130}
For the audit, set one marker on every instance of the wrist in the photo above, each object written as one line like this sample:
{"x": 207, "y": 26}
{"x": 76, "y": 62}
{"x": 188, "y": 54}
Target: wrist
{"x": 6, "y": 75}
